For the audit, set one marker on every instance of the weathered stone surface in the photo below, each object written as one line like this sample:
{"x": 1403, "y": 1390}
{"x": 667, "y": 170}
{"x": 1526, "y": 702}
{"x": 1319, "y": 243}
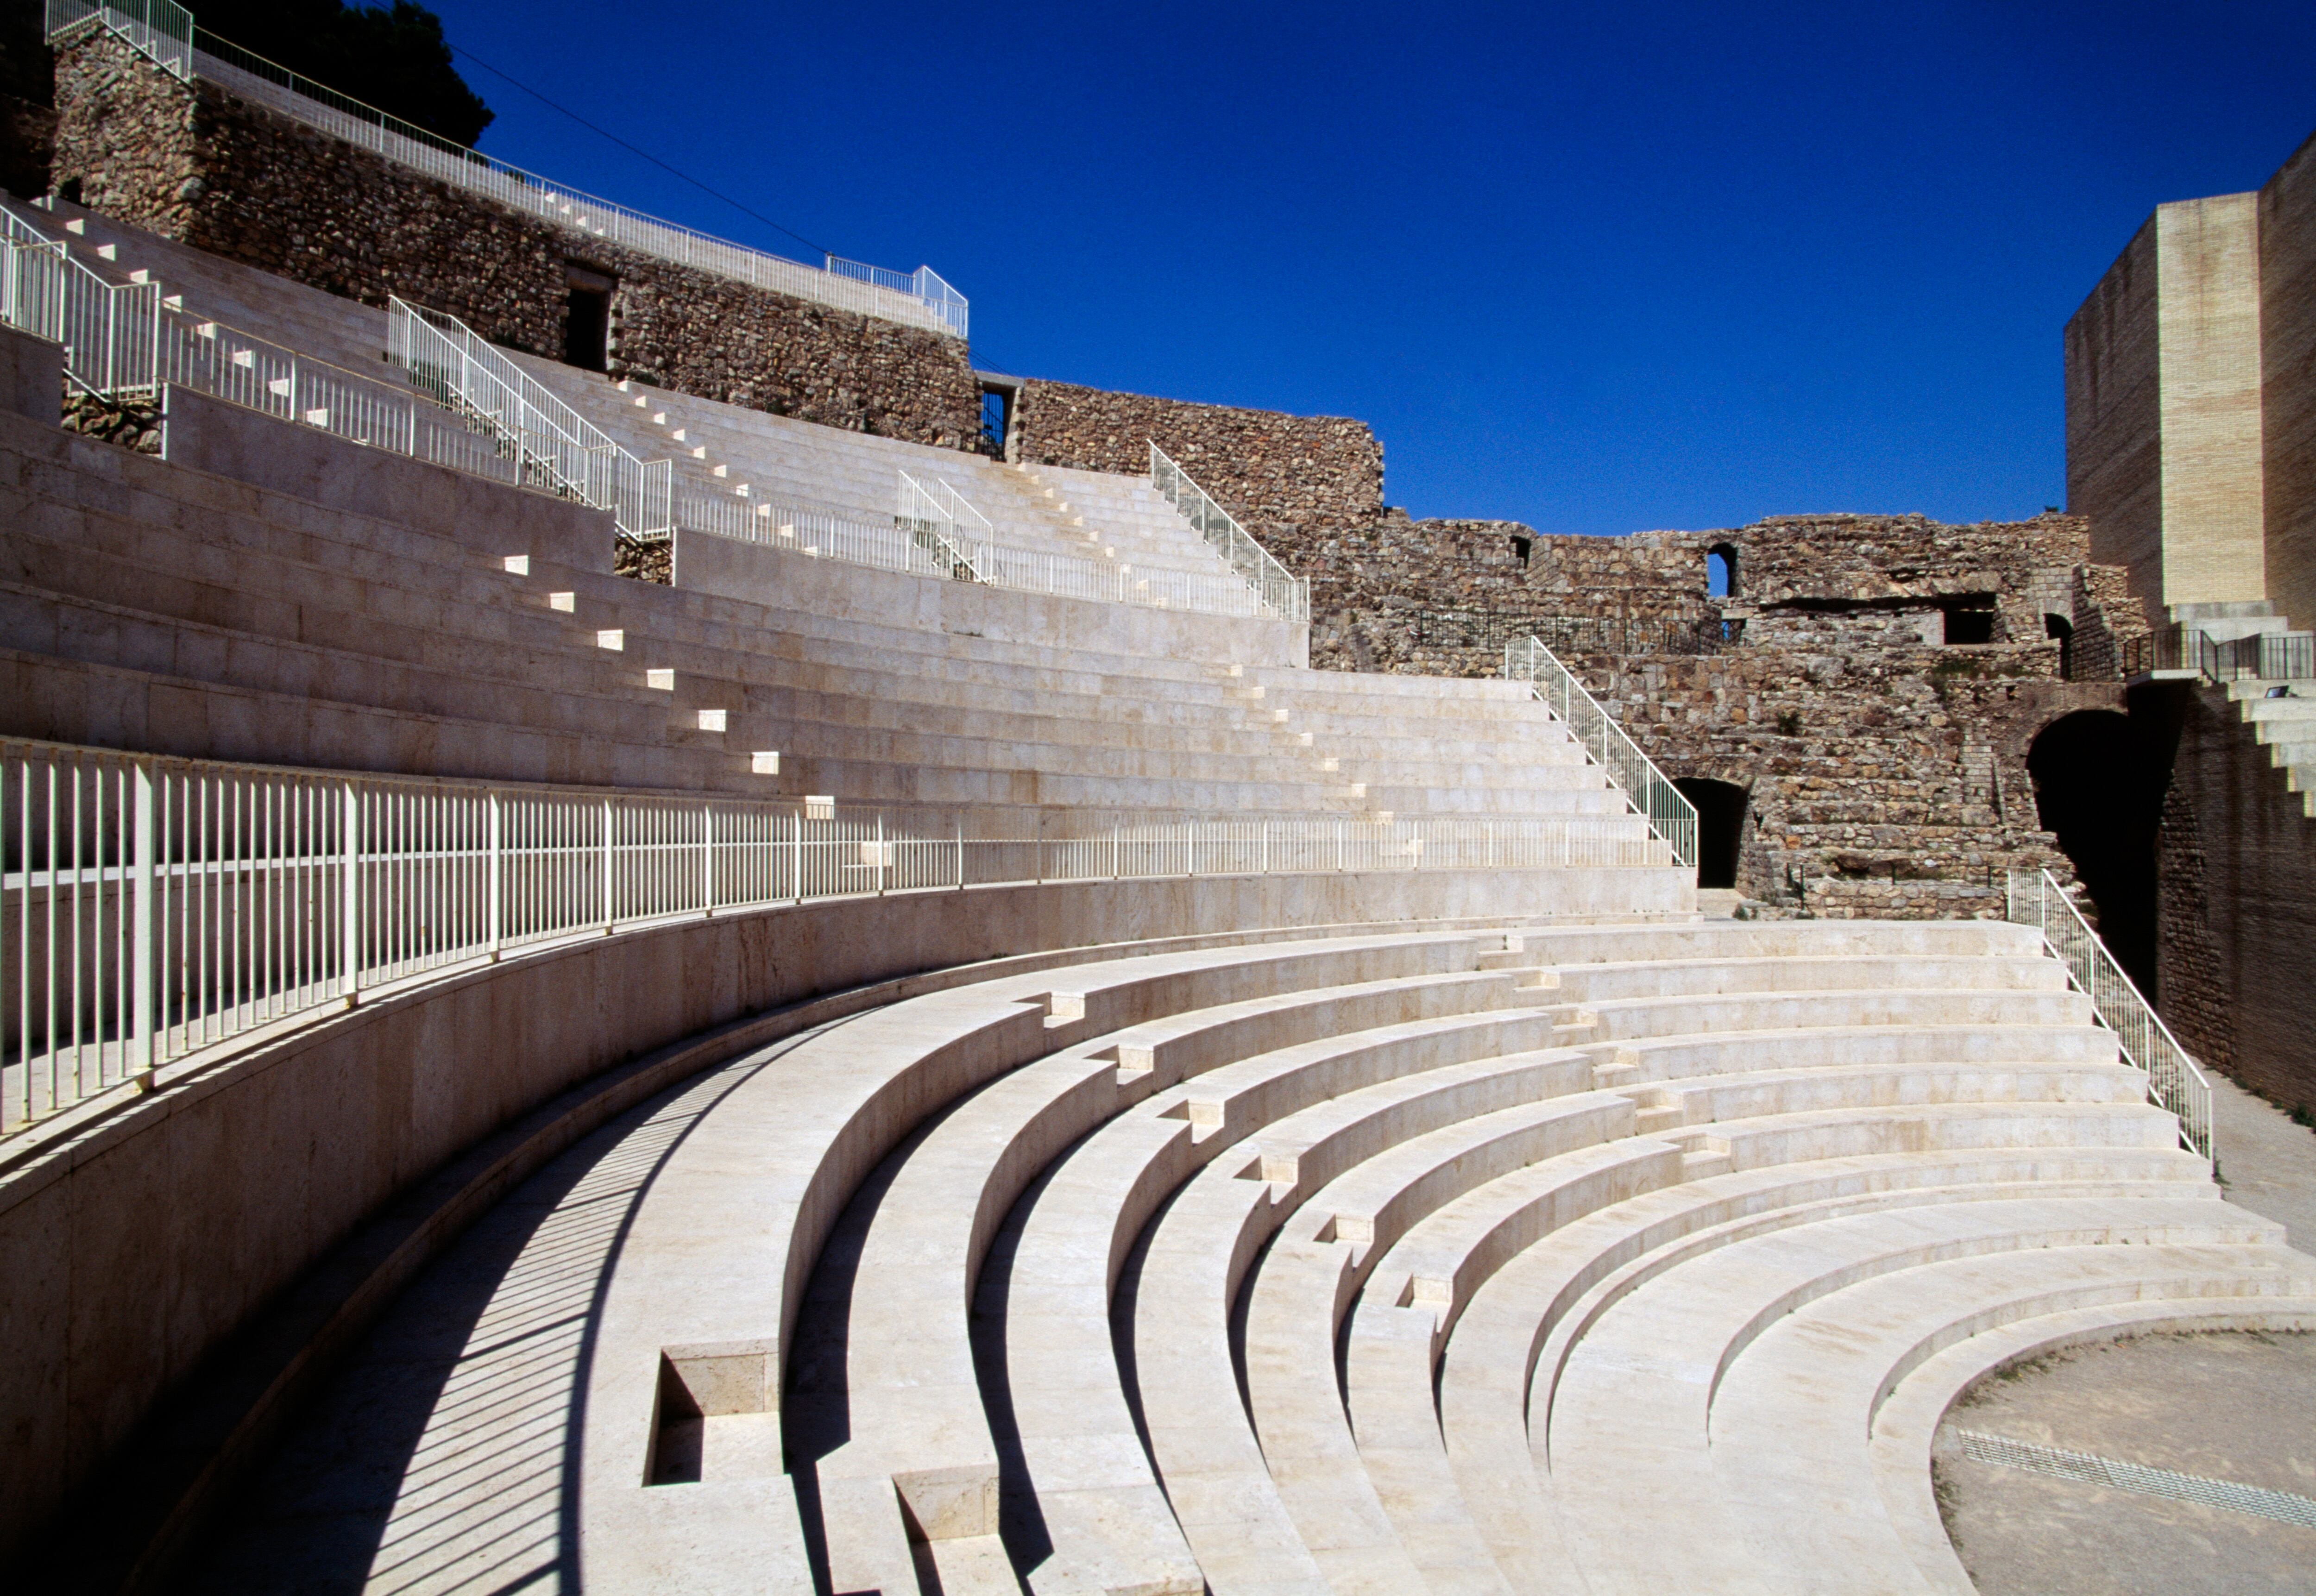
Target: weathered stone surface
{"x": 196, "y": 163}
{"x": 1289, "y": 479}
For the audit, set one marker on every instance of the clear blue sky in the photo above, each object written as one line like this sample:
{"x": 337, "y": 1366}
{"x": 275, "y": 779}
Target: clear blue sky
{"x": 1596, "y": 268}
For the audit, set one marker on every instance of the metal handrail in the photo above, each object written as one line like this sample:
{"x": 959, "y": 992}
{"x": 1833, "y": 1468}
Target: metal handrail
{"x": 1280, "y": 592}
{"x": 110, "y": 332}
{"x": 153, "y": 908}
{"x": 919, "y": 299}
{"x": 941, "y": 514}
{"x": 1634, "y": 774}
{"x": 461, "y": 371}
{"x": 161, "y": 32}
{"x": 2037, "y": 899}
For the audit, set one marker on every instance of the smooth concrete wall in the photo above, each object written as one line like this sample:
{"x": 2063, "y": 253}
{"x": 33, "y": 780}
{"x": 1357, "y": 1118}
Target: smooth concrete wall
{"x": 761, "y": 573}
{"x": 133, "y": 1250}
{"x": 2288, "y": 289}
{"x": 207, "y": 435}
{"x": 31, "y": 376}
{"x": 2114, "y": 467}
{"x": 2238, "y": 934}
{"x": 2207, "y": 255}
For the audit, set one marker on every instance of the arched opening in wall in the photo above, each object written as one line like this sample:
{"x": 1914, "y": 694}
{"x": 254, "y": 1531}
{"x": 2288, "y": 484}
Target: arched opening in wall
{"x": 1721, "y": 572}
{"x": 2099, "y": 787}
{"x": 2062, "y": 631}
{"x": 1720, "y": 827}
{"x": 587, "y": 321}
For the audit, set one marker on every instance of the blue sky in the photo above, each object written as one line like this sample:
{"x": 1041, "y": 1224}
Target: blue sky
{"x": 1596, "y": 268}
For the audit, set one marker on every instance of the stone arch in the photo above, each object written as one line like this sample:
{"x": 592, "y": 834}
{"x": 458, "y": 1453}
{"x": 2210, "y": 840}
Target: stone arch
{"x": 2098, "y": 788}
{"x": 1720, "y": 571}
{"x": 1720, "y": 827}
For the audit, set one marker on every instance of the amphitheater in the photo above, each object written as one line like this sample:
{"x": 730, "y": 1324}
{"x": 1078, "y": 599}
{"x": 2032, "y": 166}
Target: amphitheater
{"x": 615, "y": 985}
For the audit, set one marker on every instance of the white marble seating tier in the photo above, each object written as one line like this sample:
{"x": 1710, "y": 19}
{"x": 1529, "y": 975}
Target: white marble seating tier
{"x": 1376, "y": 1265}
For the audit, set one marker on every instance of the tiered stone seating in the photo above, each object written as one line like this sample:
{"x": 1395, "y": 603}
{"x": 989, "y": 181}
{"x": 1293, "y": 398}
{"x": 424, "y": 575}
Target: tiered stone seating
{"x": 1607, "y": 1257}
{"x": 717, "y": 448}
{"x": 275, "y": 627}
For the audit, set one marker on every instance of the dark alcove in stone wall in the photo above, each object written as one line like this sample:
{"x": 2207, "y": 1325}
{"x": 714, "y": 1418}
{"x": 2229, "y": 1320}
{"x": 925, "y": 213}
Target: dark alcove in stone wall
{"x": 2099, "y": 787}
{"x": 1720, "y": 826}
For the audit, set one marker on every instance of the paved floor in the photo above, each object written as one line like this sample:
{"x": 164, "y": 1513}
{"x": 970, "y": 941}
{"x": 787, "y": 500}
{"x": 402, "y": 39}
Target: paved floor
{"x": 2230, "y": 1406}
{"x": 2268, "y": 1162}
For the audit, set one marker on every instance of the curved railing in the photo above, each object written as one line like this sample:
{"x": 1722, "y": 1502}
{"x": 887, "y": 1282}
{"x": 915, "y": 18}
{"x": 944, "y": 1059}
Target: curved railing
{"x": 1670, "y": 814}
{"x": 2035, "y": 898}
{"x": 151, "y": 907}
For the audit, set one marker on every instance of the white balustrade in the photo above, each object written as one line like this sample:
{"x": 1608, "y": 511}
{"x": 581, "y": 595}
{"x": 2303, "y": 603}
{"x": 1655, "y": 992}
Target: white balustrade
{"x": 2173, "y": 1081}
{"x": 1274, "y": 588}
{"x": 1646, "y": 787}
{"x": 151, "y": 908}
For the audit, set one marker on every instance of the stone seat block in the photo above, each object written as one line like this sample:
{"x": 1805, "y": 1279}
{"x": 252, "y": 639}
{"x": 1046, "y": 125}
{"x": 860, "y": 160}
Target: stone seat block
{"x": 1618, "y": 1423}
{"x": 1793, "y": 1417}
{"x": 1679, "y": 1058}
{"x": 1606, "y": 982}
{"x": 1691, "y": 1014}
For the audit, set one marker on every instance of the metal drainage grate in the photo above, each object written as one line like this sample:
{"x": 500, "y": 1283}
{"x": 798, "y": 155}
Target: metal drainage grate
{"x": 2113, "y": 1472}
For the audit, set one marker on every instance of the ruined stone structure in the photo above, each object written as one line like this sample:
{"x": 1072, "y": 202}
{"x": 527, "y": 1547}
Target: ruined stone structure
{"x": 196, "y": 163}
{"x": 888, "y": 1058}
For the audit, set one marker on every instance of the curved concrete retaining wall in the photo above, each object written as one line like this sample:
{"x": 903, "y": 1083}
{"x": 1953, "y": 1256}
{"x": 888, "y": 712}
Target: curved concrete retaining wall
{"x": 134, "y": 1249}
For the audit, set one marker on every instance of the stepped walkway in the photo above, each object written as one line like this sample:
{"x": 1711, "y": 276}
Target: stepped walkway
{"x": 1587, "y": 1258}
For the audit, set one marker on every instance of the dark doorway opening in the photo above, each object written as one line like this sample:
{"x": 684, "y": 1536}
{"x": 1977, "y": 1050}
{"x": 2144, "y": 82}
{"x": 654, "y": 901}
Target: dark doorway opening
{"x": 1720, "y": 827}
{"x": 1721, "y": 572}
{"x": 2099, "y": 787}
{"x": 587, "y": 321}
{"x": 994, "y": 403}
{"x": 2060, "y": 631}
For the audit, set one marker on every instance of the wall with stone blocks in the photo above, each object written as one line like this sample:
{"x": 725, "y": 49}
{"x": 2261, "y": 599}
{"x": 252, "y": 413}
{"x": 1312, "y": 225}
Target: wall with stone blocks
{"x": 2236, "y": 928}
{"x": 1287, "y": 478}
{"x": 195, "y": 164}
{"x": 2287, "y": 323}
{"x": 133, "y": 1250}
{"x": 2114, "y": 473}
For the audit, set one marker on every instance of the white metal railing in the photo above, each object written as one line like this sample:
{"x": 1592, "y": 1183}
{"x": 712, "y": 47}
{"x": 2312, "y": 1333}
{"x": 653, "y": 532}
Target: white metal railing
{"x": 837, "y": 535}
{"x": 458, "y": 368}
{"x": 153, "y": 907}
{"x": 110, "y": 331}
{"x": 940, "y": 516}
{"x": 1670, "y": 814}
{"x": 160, "y": 31}
{"x": 1284, "y": 594}
{"x": 2173, "y": 1082}
{"x": 921, "y": 299}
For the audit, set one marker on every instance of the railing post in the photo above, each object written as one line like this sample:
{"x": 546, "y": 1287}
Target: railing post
{"x": 610, "y": 903}
{"x": 143, "y": 1044}
{"x": 708, "y": 859}
{"x": 881, "y": 869}
{"x": 349, "y": 891}
{"x": 1263, "y": 867}
{"x": 495, "y": 894}
{"x": 960, "y": 850}
{"x": 799, "y": 866}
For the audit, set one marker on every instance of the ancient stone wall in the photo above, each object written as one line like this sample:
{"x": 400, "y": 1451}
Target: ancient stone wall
{"x": 196, "y": 163}
{"x": 1291, "y": 480}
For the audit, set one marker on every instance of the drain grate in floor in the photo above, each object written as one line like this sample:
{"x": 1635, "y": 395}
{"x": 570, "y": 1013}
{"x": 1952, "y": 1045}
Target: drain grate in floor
{"x": 2113, "y": 1472}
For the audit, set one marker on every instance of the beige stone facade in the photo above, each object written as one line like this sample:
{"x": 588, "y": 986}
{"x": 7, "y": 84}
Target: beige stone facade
{"x": 2191, "y": 402}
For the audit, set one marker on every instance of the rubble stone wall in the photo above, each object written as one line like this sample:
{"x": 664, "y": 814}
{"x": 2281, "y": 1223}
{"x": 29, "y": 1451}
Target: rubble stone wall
{"x": 196, "y": 163}
{"x": 1290, "y": 480}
